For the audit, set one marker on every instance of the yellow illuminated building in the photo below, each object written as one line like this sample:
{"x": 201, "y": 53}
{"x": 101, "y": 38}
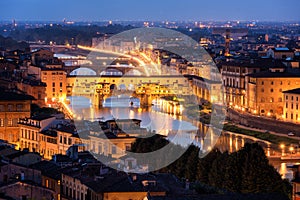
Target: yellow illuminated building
{"x": 56, "y": 80}
{"x": 265, "y": 92}
{"x": 29, "y": 134}
{"x": 291, "y": 105}
{"x": 12, "y": 107}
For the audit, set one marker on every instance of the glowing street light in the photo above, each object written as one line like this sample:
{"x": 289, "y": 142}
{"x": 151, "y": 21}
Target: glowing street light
{"x": 282, "y": 147}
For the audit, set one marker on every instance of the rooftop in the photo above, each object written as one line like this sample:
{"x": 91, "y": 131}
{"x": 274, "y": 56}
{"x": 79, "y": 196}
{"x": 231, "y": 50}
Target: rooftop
{"x": 294, "y": 91}
{"x": 282, "y": 49}
{"x": 12, "y": 96}
{"x": 260, "y": 63}
{"x": 268, "y": 74}
{"x": 48, "y": 169}
{"x": 41, "y": 117}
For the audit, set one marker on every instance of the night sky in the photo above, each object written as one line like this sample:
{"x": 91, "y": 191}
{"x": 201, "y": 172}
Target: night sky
{"x": 98, "y": 10}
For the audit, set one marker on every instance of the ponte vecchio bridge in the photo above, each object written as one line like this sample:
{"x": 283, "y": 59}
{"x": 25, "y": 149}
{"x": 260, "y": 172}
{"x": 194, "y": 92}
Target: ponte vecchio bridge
{"x": 146, "y": 88}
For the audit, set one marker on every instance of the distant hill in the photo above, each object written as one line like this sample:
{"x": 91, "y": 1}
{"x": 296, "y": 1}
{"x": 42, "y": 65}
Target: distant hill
{"x": 10, "y": 44}
{"x": 66, "y": 34}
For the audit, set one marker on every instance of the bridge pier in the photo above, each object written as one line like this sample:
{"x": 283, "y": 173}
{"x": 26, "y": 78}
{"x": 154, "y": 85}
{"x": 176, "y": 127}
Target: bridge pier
{"x": 146, "y": 100}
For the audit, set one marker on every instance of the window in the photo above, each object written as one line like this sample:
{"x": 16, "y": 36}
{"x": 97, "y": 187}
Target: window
{"x": 292, "y": 106}
{"x": 262, "y": 90}
{"x": 262, "y": 99}
{"x": 292, "y": 116}
{"x": 286, "y": 104}
{"x": 296, "y": 106}
{"x": 9, "y": 122}
{"x": 292, "y": 98}
{"x": 19, "y": 107}
{"x": 1, "y": 108}
{"x": 271, "y": 99}
{"x": 280, "y": 90}
{"x": 10, "y": 107}
{"x": 279, "y": 99}
{"x": 286, "y": 97}
{"x": 60, "y": 84}
{"x": 296, "y": 98}
{"x": 69, "y": 141}
{"x": 271, "y": 90}
{"x": 53, "y": 84}
{"x": 262, "y": 83}
{"x": 1, "y": 122}
{"x": 272, "y": 82}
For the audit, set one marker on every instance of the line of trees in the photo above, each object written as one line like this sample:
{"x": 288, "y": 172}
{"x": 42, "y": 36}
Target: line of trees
{"x": 246, "y": 171}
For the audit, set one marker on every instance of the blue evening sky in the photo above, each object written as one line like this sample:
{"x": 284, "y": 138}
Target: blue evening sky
{"x": 96, "y": 10}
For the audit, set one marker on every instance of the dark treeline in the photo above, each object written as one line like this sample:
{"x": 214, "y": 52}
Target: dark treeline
{"x": 66, "y": 34}
{"x": 9, "y": 43}
{"x": 246, "y": 171}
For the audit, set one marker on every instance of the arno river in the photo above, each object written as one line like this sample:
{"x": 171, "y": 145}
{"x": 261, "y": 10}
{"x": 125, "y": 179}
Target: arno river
{"x": 169, "y": 124}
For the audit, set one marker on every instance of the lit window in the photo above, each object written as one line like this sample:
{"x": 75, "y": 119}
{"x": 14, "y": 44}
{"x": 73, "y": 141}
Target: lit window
{"x": 9, "y": 122}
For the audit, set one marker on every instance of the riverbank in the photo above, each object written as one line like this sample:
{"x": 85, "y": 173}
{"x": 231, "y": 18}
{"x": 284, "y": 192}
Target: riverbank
{"x": 272, "y": 137}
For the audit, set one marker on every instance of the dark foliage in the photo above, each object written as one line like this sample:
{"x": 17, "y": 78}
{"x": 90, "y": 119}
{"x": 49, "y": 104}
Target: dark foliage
{"x": 244, "y": 172}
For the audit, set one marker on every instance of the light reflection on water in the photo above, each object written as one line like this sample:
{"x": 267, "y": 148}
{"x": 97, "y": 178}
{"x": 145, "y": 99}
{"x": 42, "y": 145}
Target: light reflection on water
{"x": 283, "y": 169}
{"x": 168, "y": 125}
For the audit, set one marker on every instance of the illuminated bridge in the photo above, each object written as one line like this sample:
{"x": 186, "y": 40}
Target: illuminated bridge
{"x": 97, "y": 88}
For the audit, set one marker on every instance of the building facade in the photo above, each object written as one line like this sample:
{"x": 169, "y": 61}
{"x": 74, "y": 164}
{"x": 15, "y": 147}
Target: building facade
{"x": 13, "y": 106}
{"x": 291, "y": 106}
{"x": 265, "y": 92}
{"x": 56, "y": 80}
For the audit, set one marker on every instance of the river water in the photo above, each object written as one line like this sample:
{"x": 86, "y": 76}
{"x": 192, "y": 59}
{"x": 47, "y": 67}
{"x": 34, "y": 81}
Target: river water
{"x": 169, "y": 125}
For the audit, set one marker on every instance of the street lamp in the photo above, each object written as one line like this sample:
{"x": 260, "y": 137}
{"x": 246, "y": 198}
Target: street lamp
{"x": 282, "y": 147}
